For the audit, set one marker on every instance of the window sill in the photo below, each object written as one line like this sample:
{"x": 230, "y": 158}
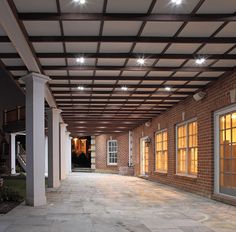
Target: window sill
{"x": 186, "y": 177}
{"x": 111, "y": 164}
{"x": 160, "y": 173}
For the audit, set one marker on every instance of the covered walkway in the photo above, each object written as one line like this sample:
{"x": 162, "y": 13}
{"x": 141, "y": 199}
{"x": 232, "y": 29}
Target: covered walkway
{"x": 110, "y": 203}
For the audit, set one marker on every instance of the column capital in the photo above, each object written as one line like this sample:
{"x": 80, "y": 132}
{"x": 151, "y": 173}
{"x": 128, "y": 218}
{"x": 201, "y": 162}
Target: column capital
{"x": 35, "y": 77}
{"x": 63, "y": 124}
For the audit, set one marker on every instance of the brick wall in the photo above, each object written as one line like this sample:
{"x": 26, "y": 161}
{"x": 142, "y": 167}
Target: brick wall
{"x": 101, "y": 152}
{"x": 217, "y": 97}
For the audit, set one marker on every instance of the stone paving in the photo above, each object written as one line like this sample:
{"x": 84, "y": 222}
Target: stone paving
{"x": 90, "y": 202}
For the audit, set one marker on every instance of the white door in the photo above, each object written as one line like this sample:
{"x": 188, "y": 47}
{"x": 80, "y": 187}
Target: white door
{"x": 144, "y": 155}
{"x": 225, "y": 151}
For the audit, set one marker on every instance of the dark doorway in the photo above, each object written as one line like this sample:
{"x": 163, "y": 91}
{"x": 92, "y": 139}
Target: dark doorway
{"x": 81, "y": 152}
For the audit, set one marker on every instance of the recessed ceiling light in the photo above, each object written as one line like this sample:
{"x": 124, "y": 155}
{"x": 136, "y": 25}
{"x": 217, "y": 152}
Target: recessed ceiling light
{"x": 141, "y": 61}
{"x": 80, "y": 60}
{"x": 124, "y": 88}
{"x": 176, "y": 2}
{"x": 80, "y": 87}
{"x": 200, "y": 61}
{"x": 80, "y": 1}
{"x": 167, "y": 88}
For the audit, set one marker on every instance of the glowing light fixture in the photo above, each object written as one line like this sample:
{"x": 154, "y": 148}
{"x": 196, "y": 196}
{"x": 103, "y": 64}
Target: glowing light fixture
{"x": 80, "y": 60}
{"x": 167, "y": 88}
{"x": 200, "y": 61}
{"x": 80, "y": 87}
{"x": 141, "y": 61}
{"x": 80, "y": 1}
{"x": 124, "y": 88}
{"x": 176, "y": 2}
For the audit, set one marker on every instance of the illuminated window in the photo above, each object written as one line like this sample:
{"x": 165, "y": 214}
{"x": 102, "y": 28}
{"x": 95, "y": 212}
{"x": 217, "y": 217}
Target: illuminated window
{"x": 161, "y": 151}
{"x": 187, "y": 148}
{"x": 228, "y": 153}
{"x": 112, "y": 152}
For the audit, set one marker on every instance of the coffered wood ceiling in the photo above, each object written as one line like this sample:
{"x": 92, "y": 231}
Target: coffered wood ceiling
{"x": 111, "y": 35}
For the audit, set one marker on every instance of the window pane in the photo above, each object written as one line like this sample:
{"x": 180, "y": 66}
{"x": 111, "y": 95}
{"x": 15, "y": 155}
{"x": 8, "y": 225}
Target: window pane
{"x": 228, "y": 121}
{"x": 233, "y": 120}
{"x": 222, "y": 123}
{"x": 234, "y": 135}
{"x": 182, "y": 161}
{"x": 187, "y": 143}
{"x": 228, "y": 136}
{"x": 161, "y": 151}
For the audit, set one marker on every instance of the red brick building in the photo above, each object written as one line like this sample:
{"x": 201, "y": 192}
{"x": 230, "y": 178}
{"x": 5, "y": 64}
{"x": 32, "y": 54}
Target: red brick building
{"x": 208, "y": 173}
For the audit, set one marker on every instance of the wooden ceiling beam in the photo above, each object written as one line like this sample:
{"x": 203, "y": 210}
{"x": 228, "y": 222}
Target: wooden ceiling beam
{"x": 127, "y": 39}
{"x": 127, "y": 68}
{"x": 122, "y": 56}
{"x": 127, "y": 17}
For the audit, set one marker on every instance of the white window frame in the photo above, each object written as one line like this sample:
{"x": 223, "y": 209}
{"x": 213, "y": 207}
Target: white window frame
{"x": 158, "y": 132}
{"x": 108, "y": 152}
{"x": 217, "y": 115}
{"x": 187, "y": 148}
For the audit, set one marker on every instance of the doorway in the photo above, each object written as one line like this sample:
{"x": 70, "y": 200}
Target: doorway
{"x": 81, "y": 152}
{"x": 225, "y": 151}
{"x": 144, "y": 156}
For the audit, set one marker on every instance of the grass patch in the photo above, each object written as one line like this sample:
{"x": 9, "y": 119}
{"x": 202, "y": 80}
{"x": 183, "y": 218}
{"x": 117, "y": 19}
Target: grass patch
{"x": 18, "y": 185}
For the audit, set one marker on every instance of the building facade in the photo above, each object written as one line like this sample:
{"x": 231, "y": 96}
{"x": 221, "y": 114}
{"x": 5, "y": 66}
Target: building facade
{"x": 192, "y": 145}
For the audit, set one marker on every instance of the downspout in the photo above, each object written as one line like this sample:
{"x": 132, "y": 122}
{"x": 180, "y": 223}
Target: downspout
{"x": 130, "y": 148}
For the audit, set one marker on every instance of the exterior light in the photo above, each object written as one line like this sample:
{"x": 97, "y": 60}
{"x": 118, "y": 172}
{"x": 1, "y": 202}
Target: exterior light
{"x": 167, "y": 88}
{"x": 200, "y": 61}
{"x": 176, "y": 2}
{"x": 141, "y": 61}
{"x": 80, "y": 60}
{"x": 80, "y": 1}
{"x": 80, "y": 87}
{"x": 124, "y": 88}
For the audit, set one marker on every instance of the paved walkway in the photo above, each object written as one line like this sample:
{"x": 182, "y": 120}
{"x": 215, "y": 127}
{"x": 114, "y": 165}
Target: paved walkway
{"x": 111, "y": 203}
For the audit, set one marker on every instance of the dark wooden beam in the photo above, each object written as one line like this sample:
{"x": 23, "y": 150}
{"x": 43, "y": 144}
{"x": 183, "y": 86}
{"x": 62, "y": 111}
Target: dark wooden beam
{"x": 122, "y": 55}
{"x": 115, "y": 97}
{"x": 127, "y": 39}
{"x": 59, "y": 102}
{"x": 129, "y": 68}
{"x": 113, "y": 92}
{"x": 79, "y": 111}
{"x": 128, "y": 78}
{"x": 127, "y": 17}
{"x": 107, "y": 119}
{"x": 129, "y": 86}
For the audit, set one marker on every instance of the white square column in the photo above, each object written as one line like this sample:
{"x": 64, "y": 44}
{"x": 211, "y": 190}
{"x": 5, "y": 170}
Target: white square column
{"x": 13, "y": 153}
{"x": 63, "y": 143}
{"x": 35, "y": 138}
{"x": 68, "y": 153}
{"x": 46, "y": 156}
{"x": 53, "y": 147}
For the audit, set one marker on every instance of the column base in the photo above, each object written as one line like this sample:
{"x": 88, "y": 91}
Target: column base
{"x": 36, "y": 201}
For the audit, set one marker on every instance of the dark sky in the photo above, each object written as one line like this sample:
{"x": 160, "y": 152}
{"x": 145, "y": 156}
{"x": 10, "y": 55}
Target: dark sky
{"x": 10, "y": 94}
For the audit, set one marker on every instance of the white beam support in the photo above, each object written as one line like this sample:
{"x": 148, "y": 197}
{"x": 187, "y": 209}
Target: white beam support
{"x": 53, "y": 148}
{"x": 35, "y": 138}
{"x": 63, "y": 151}
{"x": 68, "y": 153}
{"x": 13, "y": 153}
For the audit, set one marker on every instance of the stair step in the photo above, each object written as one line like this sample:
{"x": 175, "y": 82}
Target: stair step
{"x": 82, "y": 170}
